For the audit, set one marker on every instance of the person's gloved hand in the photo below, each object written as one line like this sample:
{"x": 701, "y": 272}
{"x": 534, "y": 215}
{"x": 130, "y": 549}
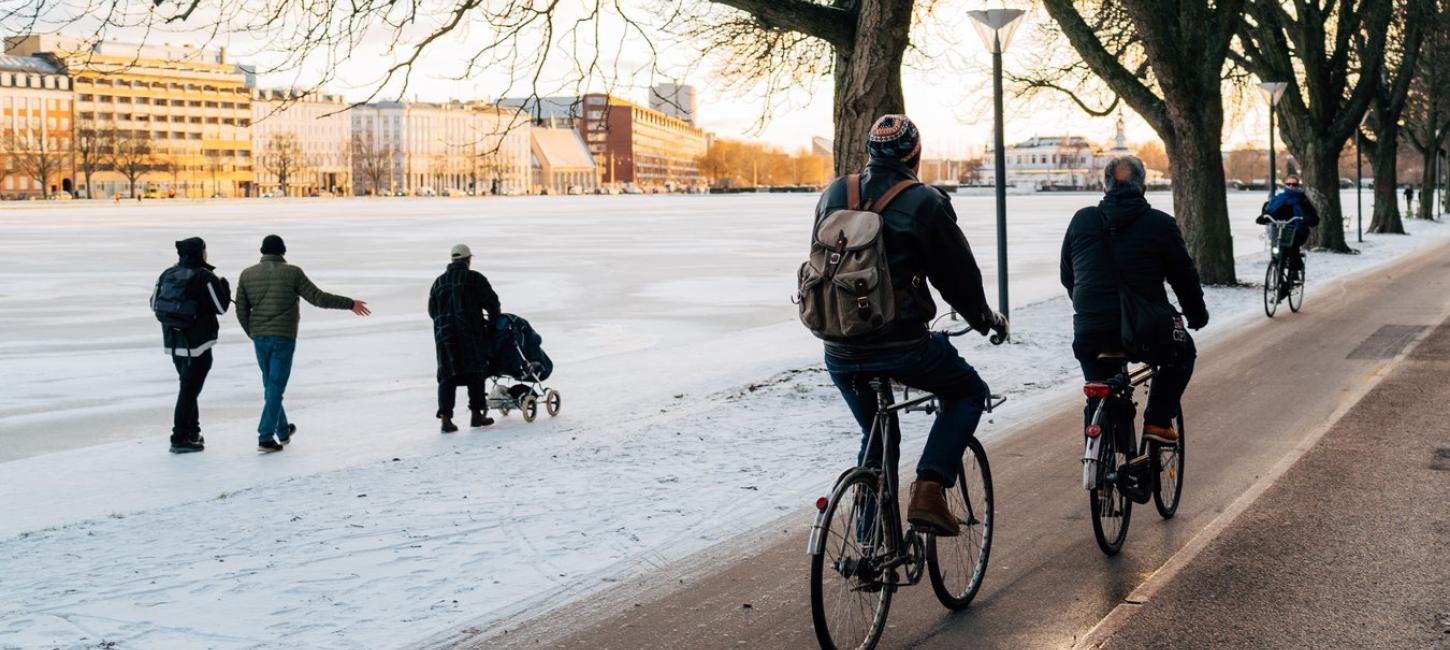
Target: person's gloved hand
{"x": 1000, "y": 329}
{"x": 1198, "y": 323}
{"x": 1263, "y": 220}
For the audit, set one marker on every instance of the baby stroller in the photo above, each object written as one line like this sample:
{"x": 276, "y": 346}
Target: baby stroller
{"x": 519, "y": 368}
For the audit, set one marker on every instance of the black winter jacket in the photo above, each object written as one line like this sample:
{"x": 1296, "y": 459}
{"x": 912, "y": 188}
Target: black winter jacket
{"x": 1148, "y": 249}
{"x": 922, "y": 241}
{"x": 212, "y": 295}
{"x": 457, "y": 303}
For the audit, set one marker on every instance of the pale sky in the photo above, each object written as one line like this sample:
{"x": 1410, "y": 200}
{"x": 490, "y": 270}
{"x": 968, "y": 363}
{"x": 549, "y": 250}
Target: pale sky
{"x": 951, "y": 102}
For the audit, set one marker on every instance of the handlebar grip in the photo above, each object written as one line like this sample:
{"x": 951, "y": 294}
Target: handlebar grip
{"x": 997, "y": 339}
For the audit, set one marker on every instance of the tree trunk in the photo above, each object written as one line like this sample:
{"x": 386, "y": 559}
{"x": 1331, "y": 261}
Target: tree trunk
{"x": 1320, "y": 172}
{"x": 1428, "y": 181}
{"x": 1200, "y": 202}
{"x": 1383, "y": 157}
{"x": 868, "y": 78}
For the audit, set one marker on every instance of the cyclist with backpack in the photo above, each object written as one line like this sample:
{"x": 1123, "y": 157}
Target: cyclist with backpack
{"x": 879, "y": 236}
{"x": 1290, "y": 204}
{"x": 187, "y": 300}
{"x": 1115, "y": 258}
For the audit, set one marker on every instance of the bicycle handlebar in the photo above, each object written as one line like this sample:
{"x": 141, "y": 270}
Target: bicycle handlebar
{"x": 996, "y": 339}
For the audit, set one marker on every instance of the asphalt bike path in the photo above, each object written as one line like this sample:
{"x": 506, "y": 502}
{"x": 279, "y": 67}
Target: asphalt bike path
{"x": 1348, "y": 548}
{"x": 1259, "y": 395}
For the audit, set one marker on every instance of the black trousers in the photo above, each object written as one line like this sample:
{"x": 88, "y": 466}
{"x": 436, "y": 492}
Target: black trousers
{"x": 1165, "y": 397}
{"x": 448, "y": 393}
{"x": 191, "y": 371}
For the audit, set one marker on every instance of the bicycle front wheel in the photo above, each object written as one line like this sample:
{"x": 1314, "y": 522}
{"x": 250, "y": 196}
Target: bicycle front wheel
{"x": 1169, "y": 462}
{"x": 958, "y": 564}
{"x": 1111, "y": 509}
{"x": 1296, "y": 288}
{"x": 1271, "y": 288}
{"x": 850, "y": 595}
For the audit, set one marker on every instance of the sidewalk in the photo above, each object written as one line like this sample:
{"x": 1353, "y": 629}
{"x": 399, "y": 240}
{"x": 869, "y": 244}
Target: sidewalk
{"x": 1347, "y": 549}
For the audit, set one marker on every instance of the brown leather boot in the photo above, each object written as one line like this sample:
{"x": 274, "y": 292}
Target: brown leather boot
{"x": 1165, "y": 435}
{"x": 448, "y": 426}
{"x": 479, "y": 419}
{"x": 928, "y": 510}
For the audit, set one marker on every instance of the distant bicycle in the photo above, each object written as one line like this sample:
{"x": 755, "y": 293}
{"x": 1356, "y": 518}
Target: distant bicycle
{"x": 860, "y": 553}
{"x": 1118, "y": 471}
{"x": 1279, "y": 281}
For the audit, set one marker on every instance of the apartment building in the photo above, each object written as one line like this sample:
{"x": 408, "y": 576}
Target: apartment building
{"x": 428, "y": 149}
{"x": 304, "y": 136}
{"x": 183, "y": 114}
{"x": 35, "y": 128}
{"x": 640, "y": 146}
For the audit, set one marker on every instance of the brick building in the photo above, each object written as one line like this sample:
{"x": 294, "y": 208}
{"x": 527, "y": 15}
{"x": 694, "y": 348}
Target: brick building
{"x": 634, "y": 145}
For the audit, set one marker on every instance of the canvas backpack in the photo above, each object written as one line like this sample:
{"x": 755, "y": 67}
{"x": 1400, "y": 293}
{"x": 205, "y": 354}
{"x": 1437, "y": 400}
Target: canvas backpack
{"x": 169, "y": 301}
{"x": 844, "y": 287}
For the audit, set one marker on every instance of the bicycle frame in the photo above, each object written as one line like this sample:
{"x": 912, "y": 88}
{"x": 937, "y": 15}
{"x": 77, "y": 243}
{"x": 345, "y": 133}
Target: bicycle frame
{"x": 1121, "y": 389}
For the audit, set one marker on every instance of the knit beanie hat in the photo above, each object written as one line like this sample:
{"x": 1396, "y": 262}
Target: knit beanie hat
{"x": 272, "y": 245}
{"x": 894, "y": 137}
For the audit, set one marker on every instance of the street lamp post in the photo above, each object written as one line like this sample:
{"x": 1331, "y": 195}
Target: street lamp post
{"x": 1359, "y": 180}
{"x": 1273, "y": 91}
{"x": 996, "y": 27}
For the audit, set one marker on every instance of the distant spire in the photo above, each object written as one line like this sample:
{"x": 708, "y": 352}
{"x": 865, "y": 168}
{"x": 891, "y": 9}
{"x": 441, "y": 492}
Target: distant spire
{"x": 1120, "y": 141}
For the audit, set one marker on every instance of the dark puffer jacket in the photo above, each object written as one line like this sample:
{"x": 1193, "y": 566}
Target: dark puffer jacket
{"x": 922, "y": 241}
{"x": 457, "y": 303}
{"x": 1148, "y": 249}
{"x": 212, "y": 296}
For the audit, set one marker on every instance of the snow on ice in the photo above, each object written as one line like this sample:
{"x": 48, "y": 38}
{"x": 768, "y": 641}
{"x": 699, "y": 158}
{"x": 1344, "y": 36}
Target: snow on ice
{"x": 694, "y": 409}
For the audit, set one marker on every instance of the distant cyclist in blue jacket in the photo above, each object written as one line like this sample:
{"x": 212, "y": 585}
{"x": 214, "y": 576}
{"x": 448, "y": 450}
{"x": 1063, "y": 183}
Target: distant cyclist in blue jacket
{"x": 1290, "y": 203}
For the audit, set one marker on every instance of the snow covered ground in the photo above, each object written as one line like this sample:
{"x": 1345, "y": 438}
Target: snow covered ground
{"x": 694, "y": 409}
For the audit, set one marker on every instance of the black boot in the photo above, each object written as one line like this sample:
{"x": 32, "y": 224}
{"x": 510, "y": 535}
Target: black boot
{"x": 479, "y": 419}
{"x": 187, "y": 447}
{"x": 448, "y": 426}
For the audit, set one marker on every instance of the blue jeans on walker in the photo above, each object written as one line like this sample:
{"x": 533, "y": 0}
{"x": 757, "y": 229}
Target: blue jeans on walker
{"x": 933, "y": 366}
{"x": 274, "y": 357}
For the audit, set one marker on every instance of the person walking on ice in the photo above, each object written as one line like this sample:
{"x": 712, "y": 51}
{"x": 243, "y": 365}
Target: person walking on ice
{"x": 268, "y": 310}
{"x": 187, "y": 300}
{"x": 457, "y": 304}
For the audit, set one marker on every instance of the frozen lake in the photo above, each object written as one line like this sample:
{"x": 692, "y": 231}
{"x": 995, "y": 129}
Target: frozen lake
{"x": 619, "y": 286}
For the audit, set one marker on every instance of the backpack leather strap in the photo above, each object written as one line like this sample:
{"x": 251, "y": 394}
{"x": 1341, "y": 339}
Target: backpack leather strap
{"x": 879, "y": 205}
{"x": 853, "y": 192}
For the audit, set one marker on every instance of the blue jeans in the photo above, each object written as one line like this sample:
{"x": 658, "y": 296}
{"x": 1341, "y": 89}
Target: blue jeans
{"x": 274, "y": 357}
{"x": 934, "y": 366}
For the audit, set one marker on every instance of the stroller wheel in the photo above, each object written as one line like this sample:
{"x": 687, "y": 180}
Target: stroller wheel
{"x": 529, "y": 408}
{"x": 551, "y": 401}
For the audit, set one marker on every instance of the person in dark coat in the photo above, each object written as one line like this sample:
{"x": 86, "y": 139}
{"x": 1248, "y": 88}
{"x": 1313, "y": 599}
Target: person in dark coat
{"x": 923, "y": 243}
{"x": 205, "y": 295}
{"x": 1285, "y": 206}
{"x": 1148, "y": 250}
{"x": 457, "y": 304}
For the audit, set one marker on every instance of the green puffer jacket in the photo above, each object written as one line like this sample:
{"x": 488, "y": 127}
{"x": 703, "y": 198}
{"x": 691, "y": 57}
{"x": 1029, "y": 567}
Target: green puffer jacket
{"x": 267, "y": 298}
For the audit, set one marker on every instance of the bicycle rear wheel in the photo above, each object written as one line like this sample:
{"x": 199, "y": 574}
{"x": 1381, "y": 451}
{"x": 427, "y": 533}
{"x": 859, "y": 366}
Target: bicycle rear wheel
{"x": 957, "y": 565}
{"x": 1271, "y": 288}
{"x": 1168, "y": 459}
{"x": 850, "y": 597}
{"x": 1296, "y": 288}
{"x": 1111, "y": 508}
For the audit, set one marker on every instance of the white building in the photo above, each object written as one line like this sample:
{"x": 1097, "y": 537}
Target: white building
{"x": 674, "y": 99}
{"x": 436, "y": 149}
{"x": 1061, "y": 162}
{"x": 562, "y": 163}
{"x": 314, "y": 131}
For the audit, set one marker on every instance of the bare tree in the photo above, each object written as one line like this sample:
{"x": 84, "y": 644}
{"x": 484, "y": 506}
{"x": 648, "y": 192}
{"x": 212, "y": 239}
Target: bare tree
{"x": 94, "y": 145}
{"x": 1427, "y": 113}
{"x": 372, "y": 162}
{"x": 283, "y": 158}
{"x": 1166, "y": 61}
{"x": 36, "y": 156}
{"x": 133, "y": 158}
{"x": 1330, "y": 52}
{"x": 1387, "y": 106}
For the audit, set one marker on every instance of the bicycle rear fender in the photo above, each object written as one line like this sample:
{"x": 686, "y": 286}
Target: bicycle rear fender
{"x": 817, "y": 542}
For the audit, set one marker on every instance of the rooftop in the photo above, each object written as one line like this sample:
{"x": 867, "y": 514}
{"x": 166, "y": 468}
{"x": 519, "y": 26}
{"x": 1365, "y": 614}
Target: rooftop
{"x": 35, "y": 64}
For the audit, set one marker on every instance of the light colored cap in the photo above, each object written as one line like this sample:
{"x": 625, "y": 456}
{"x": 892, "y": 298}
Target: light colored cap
{"x": 461, "y": 251}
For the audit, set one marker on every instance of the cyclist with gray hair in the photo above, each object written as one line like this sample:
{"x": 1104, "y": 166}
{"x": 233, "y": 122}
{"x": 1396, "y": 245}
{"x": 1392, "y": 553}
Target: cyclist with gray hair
{"x": 1124, "y": 241}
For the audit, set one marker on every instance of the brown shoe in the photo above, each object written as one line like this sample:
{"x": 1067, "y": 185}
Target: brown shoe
{"x": 1165, "y": 435}
{"x": 928, "y": 510}
{"x": 448, "y": 426}
{"x": 480, "y": 419}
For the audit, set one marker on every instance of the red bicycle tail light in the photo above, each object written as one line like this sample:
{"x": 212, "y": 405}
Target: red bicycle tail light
{"x": 1094, "y": 431}
{"x": 1095, "y": 390}
{"x": 821, "y": 504}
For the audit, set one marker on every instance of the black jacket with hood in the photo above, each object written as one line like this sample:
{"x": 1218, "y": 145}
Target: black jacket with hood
{"x": 1148, "y": 249}
{"x": 922, "y": 241}
{"x": 212, "y": 295}
{"x": 457, "y": 304}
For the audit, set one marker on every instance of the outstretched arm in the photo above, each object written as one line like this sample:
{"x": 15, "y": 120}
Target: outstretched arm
{"x": 319, "y": 298}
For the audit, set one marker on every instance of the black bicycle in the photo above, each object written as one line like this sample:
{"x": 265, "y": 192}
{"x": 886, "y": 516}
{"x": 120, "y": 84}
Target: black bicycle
{"x": 861, "y": 553}
{"x": 1283, "y": 280}
{"x": 1118, "y": 470}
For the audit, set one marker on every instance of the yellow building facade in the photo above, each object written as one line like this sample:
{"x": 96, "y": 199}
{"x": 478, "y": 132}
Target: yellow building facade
{"x": 188, "y": 110}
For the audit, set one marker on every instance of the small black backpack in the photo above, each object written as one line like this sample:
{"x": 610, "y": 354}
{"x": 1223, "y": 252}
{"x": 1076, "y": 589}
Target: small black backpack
{"x": 170, "y": 302}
